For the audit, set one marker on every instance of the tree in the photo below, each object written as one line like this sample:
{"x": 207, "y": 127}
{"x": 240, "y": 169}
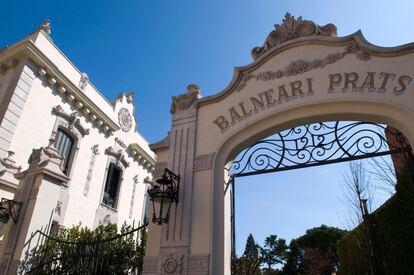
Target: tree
{"x": 273, "y": 252}
{"x": 316, "y": 250}
{"x": 359, "y": 197}
{"x": 249, "y": 263}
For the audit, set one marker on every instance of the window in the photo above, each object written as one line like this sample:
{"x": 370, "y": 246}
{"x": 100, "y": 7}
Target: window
{"x": 64, "y": 145}
{"x": 112, "y": 183}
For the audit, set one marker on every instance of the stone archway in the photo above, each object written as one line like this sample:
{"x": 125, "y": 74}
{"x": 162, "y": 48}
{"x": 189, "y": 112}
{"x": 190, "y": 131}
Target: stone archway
{"x": 302, "y": 74}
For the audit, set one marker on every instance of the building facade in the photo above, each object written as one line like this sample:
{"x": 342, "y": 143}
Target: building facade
{"x": 45, "y": 99}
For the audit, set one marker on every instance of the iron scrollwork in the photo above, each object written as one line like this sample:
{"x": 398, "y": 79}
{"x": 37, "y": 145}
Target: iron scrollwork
{"x": 316, "y": 144}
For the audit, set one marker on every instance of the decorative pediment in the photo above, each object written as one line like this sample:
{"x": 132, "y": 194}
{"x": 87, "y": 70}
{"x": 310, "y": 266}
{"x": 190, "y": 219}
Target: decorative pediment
{"x": 72, "y": 119}
{"x": 293, "y": 28}
{"x": 118, "y": 155}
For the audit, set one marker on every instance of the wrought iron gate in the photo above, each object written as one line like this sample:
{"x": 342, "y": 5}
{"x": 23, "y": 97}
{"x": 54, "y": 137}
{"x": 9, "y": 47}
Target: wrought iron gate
{"x": 50, "y": 255}
{"x": 313, "y": 145}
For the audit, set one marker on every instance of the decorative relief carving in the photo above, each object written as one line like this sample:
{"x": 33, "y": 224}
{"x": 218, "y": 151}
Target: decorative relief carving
{"x": 5, "y": 66}
{"x": 303, "y": 66}
{"x": 173, "y": 263}
{"x": 46, "y": 26}
{"x": 121, "y": 143}
{"x": 95, "y": 152}
{"x": 10, "y": 164}
{"x": 72, "y": 119}
{"x": 186, "y": 100}
{"x": 58, "y": 208}
{"x": 118, "y": 155}
{"x": 125, "y": 120}
{"x": 84, "y": 80}
{"x": 292, "y": 28}
{"x": 203, "y": 162}
{"x": 44, "y": 155}
{"x": 198, "y": 264}
{"x": 134, "y": 187}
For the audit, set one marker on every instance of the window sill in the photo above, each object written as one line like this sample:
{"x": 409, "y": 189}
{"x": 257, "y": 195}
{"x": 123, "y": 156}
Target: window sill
{"x": 109, "y": 207}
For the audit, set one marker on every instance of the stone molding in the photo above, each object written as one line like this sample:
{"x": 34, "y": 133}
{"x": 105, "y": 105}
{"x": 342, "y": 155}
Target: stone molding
{"x": 302, "y": 66}
{"x": 198, "y": 264}
{"x": 163, "y": 144}
{"x": 118, "y": 155}
{"x": 72, "y": 119}
{"x": 150, "y": 265}
{"x": 203, "y": 162}
{"x": 292, "y": 28}
{"x": 356, "y": 38}
{"x": 142, "y": 157}
{"x": 61, "y": 84}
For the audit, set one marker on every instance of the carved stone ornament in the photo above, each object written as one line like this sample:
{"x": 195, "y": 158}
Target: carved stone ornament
{"x": 302, "y": 66}
{"x": 118, "y": 155}
{"x": 186, "y": 100}
{"x": 292, "y": 28}
{"x": 84, "y": 80}
{"x": 72, "y": 119}
{"x": 125, "y": 120}
{"x": 9, "y": 163}
{"x": 173, "y": 264}
{"x": 46, "y": 26}
{"x": 44, "y": 155}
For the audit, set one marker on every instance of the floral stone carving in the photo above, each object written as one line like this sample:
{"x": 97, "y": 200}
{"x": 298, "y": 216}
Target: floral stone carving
{"x": 173, "y": 263}
{"x": 125, "y": 120}
{"x": 292, "y": 28}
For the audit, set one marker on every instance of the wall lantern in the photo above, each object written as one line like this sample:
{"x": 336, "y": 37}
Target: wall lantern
{"x": 9, "y": 209}
{"x": 162, "y": 194}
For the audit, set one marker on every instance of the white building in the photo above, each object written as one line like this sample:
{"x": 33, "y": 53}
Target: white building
{"x": 44, "y": 96}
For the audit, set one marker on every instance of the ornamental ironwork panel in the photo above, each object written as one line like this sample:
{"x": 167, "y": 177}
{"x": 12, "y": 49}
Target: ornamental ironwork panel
{"x": 317, "y": 144}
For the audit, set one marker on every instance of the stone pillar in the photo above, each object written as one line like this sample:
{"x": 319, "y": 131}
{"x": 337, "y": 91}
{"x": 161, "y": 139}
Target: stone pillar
{"x": 175, "y": 236}
{"x": 38, "y": 191}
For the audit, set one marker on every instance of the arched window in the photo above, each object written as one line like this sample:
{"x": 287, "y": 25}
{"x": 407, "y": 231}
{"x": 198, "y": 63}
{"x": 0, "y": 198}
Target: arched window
{"x": 64, "y": 145}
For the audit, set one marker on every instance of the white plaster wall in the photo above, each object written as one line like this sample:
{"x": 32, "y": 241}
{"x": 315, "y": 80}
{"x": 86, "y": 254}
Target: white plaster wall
{"x": 34, "y": 130}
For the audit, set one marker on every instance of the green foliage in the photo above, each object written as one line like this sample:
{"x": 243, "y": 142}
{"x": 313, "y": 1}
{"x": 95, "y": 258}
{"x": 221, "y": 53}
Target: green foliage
{"x": 314, "y": 252}
{"x": 79, "y": 250}
{"x": 393, "y": 238}
{"x": 249, "y": 263}
{"x": 273, "y": 252}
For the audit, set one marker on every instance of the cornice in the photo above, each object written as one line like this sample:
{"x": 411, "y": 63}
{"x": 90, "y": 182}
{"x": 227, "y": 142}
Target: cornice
{"x": 142, "y": 157}
{"x": 356, "y": 38}
{"x": 64, "y": 87}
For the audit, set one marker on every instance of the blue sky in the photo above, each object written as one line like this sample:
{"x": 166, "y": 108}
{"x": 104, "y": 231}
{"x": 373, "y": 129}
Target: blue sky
{"x": 157, "y": 48}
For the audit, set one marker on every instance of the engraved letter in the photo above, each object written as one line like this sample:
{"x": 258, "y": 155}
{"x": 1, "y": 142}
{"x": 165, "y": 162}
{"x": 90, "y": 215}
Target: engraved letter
{"x": 369, "y": 81}
{"x": 234, "y": 115}
{"x": 404, "y": 81}
{"x": 350, "y": 78}
{"x": 243, "y": 108}
{"x": 309, "y": 81}
{"x": 386, "y": 76}
{"x": 296, "y": 88}
{"x": 269, "y": 97}
{"x": 334, "y": 80}
{"x": 221, "y": 122}
{"x": 257, "y": 103}
{"x": 282, "y": 93}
